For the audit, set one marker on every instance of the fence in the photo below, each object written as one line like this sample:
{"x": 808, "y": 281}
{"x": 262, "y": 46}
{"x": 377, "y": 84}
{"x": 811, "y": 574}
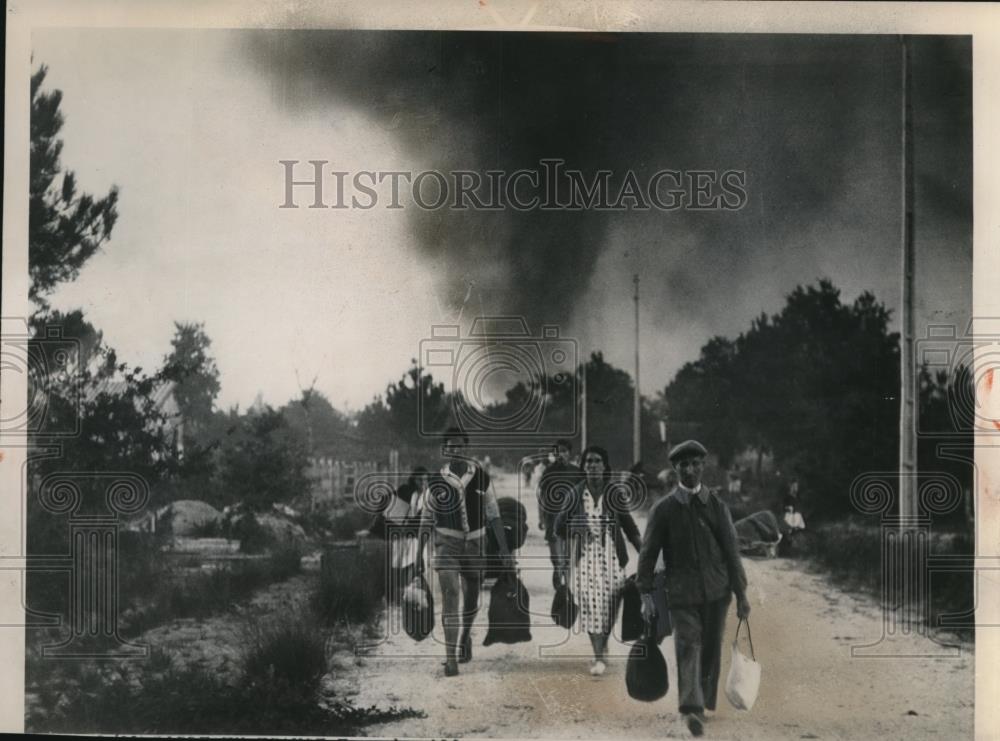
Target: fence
{"x": 332, "y": 481}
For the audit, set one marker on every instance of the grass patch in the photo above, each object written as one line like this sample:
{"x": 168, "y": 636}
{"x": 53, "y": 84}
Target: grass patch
{"x": 351, "y": 585}
{"x": 851, "y": 554}
{"x": 277, "y": 691}
{"x": 199, "y": 594}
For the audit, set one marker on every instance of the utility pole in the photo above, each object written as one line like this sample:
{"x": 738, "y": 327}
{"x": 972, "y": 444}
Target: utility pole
{"x": 908, "y": 505}
{"x": 583, "y": 404}
{"x": 636, "y": 400}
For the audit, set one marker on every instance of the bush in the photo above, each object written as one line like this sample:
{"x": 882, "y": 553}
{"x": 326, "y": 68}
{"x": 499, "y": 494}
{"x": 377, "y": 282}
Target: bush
{"x": 346, "y": 523}
{"x": 350, "y": 588}
{"x": 253, "y": 537}
{"x": 284, "y": 655}
{"x": 158, "y": 697}
{"x": 205, "y": 593}
{"x": 316, "y": 522}
{"x": 851, "y": 553}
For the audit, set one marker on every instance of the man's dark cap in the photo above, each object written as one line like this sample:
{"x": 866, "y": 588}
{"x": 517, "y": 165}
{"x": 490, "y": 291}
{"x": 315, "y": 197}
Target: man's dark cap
{"x": 687, "y": 449}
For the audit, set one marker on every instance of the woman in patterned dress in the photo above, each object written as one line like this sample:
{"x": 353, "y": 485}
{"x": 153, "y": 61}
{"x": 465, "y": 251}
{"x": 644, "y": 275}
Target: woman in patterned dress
{"x": 597, "y": 526}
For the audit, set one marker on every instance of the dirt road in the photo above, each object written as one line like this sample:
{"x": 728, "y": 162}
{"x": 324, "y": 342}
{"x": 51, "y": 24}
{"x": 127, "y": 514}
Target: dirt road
{"x": 803, "y": 632}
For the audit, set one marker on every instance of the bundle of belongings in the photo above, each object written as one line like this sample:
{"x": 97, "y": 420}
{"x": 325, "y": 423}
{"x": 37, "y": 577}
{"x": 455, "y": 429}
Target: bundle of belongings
{"x": 646, "y": 671}
{"x": 509, "y": 613}
{"x": 418, "y": 609}
{"x": 759, "y": 534}
{"x": 515, "y": 524}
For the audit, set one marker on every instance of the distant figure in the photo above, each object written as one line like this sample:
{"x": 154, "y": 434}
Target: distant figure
{"x": 642, "y": 486}
{"x": 793, "y": 518}
{"x": 735, "y": 482}
{"x": 791, "y": 498}
{"x": 553, "y": 492}
{"x": 402, "y": 513}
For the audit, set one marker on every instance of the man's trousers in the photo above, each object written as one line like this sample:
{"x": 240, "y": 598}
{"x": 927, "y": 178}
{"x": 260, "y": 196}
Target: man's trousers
{"x": 698, "y": 632}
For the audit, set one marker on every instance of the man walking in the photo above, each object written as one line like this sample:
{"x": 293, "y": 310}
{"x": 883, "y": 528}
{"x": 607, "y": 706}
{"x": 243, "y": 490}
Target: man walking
{"x": 461, "y": 506}
{"x": 694, "y": 531}
{"x": 553, "y": 492}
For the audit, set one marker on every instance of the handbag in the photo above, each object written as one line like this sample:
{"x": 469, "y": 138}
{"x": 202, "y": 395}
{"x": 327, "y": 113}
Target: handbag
{"x": 743, "y": 682}
{"x": 564, "y": 608}
{"x": 646, "y": 676}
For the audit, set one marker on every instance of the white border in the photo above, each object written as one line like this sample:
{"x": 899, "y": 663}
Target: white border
{"x": 981, "y": 21}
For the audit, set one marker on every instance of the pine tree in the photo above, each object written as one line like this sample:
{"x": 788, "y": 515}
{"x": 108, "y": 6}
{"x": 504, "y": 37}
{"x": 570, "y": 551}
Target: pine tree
{"x": 65, "y": 228}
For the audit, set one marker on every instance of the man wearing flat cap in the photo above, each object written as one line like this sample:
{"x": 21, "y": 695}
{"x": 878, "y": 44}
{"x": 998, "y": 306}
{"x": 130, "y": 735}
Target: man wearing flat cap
{"x": 694, "y": 531}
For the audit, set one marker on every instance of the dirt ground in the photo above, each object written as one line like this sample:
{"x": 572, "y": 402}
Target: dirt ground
{"x": 812, "y": 687}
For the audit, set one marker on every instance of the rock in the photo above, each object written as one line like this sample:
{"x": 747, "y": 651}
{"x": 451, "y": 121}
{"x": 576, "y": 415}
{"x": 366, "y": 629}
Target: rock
{"x": 281, "y": 528}
{"x": 186, "y": 516}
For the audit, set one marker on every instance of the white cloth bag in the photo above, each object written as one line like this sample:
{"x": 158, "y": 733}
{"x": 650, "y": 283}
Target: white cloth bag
{"x": 743, "y": 681}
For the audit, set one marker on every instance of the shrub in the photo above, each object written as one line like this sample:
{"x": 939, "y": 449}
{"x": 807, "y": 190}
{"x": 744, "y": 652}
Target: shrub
{"x": 285, "y": 655}
{"x": 253, "y": 537}
{"x": 347, "y": 522}
{"x": 350, "y": 587}
{"x": 851, "y": 553}
{"x": 159, "y": 697}
{"x": 203, "y": 593}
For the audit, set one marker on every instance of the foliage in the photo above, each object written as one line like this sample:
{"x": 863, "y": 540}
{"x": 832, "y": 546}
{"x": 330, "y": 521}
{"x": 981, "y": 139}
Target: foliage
{"x": 76, "y": 384}
{"x": 65, "y": 227}
{"x": 263, "y": 461}
{"x": 346, "y": 591}
{"x": 846, "y": 551}
{"x": 327, "y": 431}
{"x": 816, "y": 385}
{"x": 174, "y": 594}
{"x": 412, "y": 403}
{"x": 193, "y": 372}
{"x": 283, "y": 653}
{"x": 160, "y": 696}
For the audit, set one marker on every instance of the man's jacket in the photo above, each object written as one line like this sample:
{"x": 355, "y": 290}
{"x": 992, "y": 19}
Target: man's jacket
{"x": 695, "y": 534}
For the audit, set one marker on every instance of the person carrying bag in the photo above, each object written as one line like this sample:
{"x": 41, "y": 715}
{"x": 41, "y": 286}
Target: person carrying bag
{"x": 692, "y": 529}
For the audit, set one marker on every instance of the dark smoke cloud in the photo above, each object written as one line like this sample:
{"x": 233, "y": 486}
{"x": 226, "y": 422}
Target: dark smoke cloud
{"x": 814, "y": 121}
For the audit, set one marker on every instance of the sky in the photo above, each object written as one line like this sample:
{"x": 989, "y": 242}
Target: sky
{"x": 191, "y": 126}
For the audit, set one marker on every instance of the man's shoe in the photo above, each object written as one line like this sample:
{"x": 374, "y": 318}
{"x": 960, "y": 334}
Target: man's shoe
{"x": 693, "y": 723}
{"x": 450, "y": 668}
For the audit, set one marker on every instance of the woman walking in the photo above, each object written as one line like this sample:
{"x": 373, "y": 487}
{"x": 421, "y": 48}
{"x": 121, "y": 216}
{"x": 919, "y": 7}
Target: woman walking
{"x": 597, "y": 528}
